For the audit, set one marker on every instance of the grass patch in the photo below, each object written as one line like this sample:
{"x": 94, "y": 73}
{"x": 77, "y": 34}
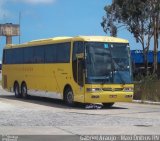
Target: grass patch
{"x": 0, "y": 82}
{"x": 148, "y": 89}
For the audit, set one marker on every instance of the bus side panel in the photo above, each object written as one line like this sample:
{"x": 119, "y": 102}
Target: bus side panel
{"x": 60, "y": 75}
{"x": 12, "y": 73}
{"x": 50, "y": 82}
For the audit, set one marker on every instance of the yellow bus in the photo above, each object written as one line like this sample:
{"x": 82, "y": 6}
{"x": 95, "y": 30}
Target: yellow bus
{"x": 85, "y": 69}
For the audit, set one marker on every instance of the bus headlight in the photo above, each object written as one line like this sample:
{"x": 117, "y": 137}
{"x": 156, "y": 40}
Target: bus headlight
{"x": 93, "y": 89}
{"x": 128, "y": 89}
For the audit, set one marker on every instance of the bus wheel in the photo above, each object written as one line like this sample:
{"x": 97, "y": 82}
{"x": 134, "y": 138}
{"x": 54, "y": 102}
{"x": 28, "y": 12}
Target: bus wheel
{"x": 69, "y": 97}
{"x": 24, "y": 91}
{"x": 108, "y": 105}
{"x": 16, "y": 90}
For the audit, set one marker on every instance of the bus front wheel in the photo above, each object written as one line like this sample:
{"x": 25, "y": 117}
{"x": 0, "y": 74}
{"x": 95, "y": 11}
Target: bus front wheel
{"x": 24, "y": 91}
{"x": 69, "y": 97}
{"x": 16, "y": 90}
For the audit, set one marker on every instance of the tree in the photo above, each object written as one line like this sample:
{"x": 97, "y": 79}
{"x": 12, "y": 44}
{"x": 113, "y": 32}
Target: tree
{"x": 136, "y": 16}
{"x": 156, "y": 22}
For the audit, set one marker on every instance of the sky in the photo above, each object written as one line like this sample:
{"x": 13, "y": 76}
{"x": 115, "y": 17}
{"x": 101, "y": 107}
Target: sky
{"x": 51, "y": 18}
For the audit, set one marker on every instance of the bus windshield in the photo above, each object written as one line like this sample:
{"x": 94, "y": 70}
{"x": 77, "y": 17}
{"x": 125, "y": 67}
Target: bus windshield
{"x": 108, "y": 63}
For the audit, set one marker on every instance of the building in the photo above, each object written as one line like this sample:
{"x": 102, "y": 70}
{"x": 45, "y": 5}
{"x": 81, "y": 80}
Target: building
{"x": 138, "y": 61}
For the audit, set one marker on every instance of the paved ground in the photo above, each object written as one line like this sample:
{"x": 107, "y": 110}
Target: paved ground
{"x": 39, "y": 116}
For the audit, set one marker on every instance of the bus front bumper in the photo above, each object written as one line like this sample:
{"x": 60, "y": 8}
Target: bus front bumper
{"x": 108, "y": 97}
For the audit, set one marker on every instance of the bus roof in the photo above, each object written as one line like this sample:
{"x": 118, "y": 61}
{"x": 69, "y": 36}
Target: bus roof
{"x": 68, "y": 39}
{"x": 100, "y": 39}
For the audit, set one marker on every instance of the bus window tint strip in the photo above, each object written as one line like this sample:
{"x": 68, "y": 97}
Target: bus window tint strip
{"x": 52, "y": 53}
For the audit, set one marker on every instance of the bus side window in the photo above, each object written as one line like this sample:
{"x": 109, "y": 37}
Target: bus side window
{"x": 8, "y": 59}
{"x": 28, "y": 55}
{"x": 39, "y": 54}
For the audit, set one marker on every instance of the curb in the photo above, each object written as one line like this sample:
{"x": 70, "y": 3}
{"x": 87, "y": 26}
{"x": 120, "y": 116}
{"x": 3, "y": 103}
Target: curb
{"x": 146, "y": 102}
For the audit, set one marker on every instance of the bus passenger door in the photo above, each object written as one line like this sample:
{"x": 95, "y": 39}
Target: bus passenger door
{"x": 80, "y": 79}
{"x": 78, "y": 71}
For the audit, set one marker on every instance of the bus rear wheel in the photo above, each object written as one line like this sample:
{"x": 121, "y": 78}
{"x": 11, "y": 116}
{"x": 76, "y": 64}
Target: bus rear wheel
{"x": 108, "y": 105}
{"x": 16, "y": 90}
{"x": 69, "y": 97}
{"x": 24, "y": 91}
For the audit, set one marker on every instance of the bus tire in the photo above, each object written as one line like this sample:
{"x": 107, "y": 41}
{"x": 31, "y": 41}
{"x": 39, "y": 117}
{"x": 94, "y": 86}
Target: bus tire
{"x": 24, "y": 91}
{"x": 108, "y": 105}
{"x": 69, "y": 97}
{"x": 16, "y": 90}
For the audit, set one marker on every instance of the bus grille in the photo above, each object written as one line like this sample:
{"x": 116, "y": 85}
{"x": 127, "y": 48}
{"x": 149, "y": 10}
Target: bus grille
{"x": 112, "y": 89}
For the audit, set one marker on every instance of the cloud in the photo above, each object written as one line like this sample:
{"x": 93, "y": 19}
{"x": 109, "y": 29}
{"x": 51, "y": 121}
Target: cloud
{"x": 35, "y": 1}
{"x": 5, "y": 13}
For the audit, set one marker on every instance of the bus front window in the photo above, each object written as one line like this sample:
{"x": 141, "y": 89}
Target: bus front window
{"x": 107, "y": 63}
{"x": 120, "y": 55}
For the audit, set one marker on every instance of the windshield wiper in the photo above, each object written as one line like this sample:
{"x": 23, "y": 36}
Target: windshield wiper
{"x": 117, "y": 70}
{"x": 107, "y": 78}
